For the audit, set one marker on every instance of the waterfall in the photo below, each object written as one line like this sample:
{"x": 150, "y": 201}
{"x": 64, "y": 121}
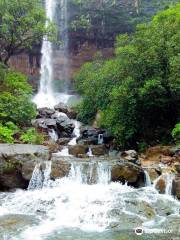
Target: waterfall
{"x": 100, "y": 139}
{"x": 103, "y": 173}
{"x": 169, "y": 181}
{"x": 36, "y": 181}
{"x": 40, "y": 177}
{"x": 53, "y": 135}
{"x": 90, "y": 154}
{"x": 147, "y": 178}
{"x": 76, "y": 133}
{"x": 45, "y": 96}
{"x": 90, "y": 173}
{"x": 63, "y": 28}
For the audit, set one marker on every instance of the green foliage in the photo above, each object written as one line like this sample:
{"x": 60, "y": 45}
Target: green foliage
{"x": 138, "y": 91}
{"x": 102, "y": 20}
{"x": 176, "y": 134}
{"x": 22, "y": 26}
{"x": 15, "y": 98}
{"x": 31, "y": 136}
{"x": 7, "y": 132}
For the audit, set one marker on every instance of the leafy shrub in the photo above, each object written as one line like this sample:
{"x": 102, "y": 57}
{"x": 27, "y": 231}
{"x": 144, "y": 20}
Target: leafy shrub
{"x": 31, "y": 136}
{"x": 176, "y": 134}
{"x": 7, "y": 132}
{"x": 15, "y": 99}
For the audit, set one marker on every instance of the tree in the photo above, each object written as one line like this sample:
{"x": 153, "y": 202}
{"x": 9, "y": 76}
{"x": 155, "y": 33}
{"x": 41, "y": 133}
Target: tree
{"x": 138, "y": 91}
{"x": 22, "y": 25}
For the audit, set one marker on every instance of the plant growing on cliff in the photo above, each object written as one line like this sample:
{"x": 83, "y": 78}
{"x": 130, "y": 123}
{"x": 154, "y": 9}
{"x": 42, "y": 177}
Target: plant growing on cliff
{"x": 22, "y": 25}
{"x": 176, "y": 134}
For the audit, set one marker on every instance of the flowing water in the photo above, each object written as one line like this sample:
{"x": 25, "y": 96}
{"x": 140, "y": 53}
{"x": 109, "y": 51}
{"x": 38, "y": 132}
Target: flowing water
{"x": 86, "y": 205}
{"x": 47, "y": 96}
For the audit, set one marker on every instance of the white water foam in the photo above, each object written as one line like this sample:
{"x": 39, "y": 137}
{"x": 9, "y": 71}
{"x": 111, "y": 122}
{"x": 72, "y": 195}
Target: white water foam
{"x": 147, "y": 179}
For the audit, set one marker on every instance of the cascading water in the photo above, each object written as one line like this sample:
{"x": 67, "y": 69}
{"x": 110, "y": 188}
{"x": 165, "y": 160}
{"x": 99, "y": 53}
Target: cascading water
{"x": 37, "y": 179}
{"x": 53, "y": 135}
{"x": 100, "y": 139}
{"x": 71, "y": 208}
{"x": 47, "y": 96}
{"x": 147, "y": 179}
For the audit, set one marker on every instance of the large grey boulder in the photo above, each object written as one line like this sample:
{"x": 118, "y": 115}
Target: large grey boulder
{"x": 45, "y": 112}
{"x": 17, "y": 162}
{"x": 61, "y": 107}
{"x": 65, "y": 126}
{"x": 44, "y": 123}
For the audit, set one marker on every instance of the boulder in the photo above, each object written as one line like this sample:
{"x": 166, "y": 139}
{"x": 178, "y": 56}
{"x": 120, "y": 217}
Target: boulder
{"x": 129, "y": 155}
{"x": 65, "y": 126}
{"x": 176, "y": 186}
{"x": 98, "y": 150}
{"x": 77, "y": 150}
{"x": 153, "y": 173}
{"x": 17, "y": 163}
{"x": 72, "y": 114}
{"x": 161, "y": 185}
{"x": 177, "y": 167}
{"x": 61, "y": 107}
{"x": 63, "y": 141}
{"x": 128, "y": 172}
{"x": 44, "y": 123}
{"x": 59, "y": 168}
{"x": 175, "y": 151}
{"x": 45, "y": 113}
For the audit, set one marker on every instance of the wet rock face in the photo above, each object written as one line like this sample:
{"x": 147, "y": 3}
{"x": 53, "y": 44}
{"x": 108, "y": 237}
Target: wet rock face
{"x": 65, "y": 126}
{"x": 45, "y": 113}
{"x": 176, "y": 186}
{"x": 90, "y": 135}
{"x": 63, "y": 141}
{"x": 128, "y": 172}
{"x": 77, "y": 150}
{"x": 59, "y": 169}
{"x": 44, "y": 123}
{"x": 17, "y": 163}
{"x": 61, "y": 107}
{"x": 161, "y": 185}
{"x": 99, "y": 150}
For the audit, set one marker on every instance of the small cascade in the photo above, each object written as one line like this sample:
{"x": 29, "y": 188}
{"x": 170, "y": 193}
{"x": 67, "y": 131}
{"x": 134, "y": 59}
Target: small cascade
{"x": 147, "y": 179}
{"x": 103, "y": 173}
{"x": 53, "y": 135}
{"x": 90, "y": 173}
{"x": 40, "y": 177}
{"x": 100, "y": 139}
{"x": 47, "y": 174}
{"x": 63, "y": 153}
{"x": 169, "y": 180}
{"x": 36, "y": 181}
{"x": 76, "y": 133}
{"x": 89, "y": 153}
